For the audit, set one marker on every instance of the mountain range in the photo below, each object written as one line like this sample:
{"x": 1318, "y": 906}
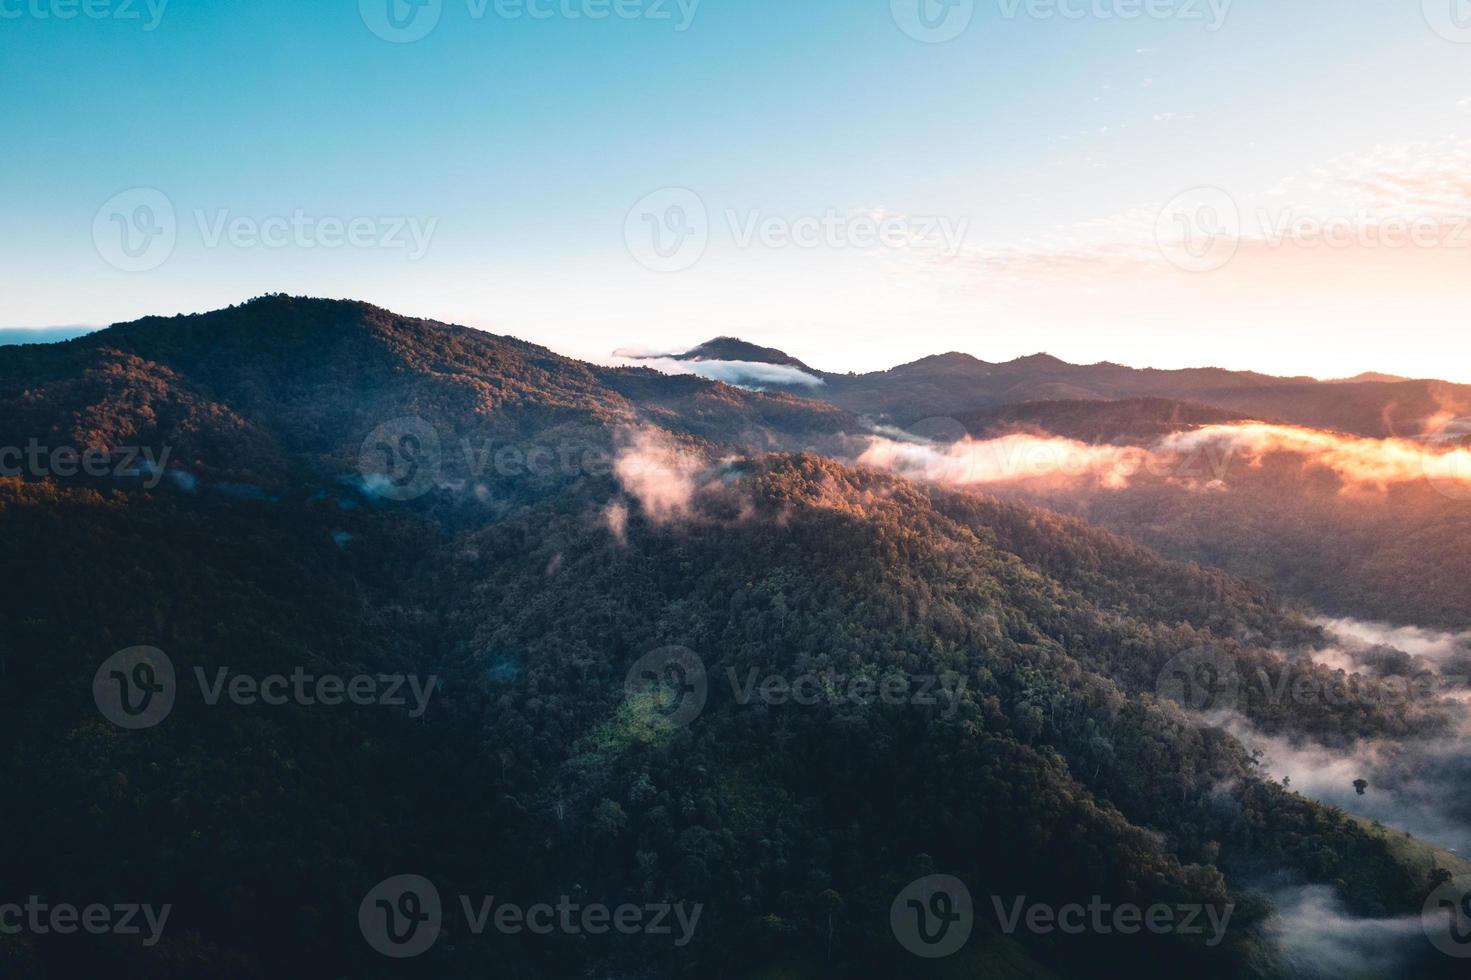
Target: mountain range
{"x": 301, "y": 485}
{"x": 954, "y": 383}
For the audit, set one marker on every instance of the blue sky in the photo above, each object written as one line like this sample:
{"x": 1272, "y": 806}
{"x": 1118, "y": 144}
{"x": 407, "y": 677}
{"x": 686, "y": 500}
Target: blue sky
{"x": 1048, "y": 140}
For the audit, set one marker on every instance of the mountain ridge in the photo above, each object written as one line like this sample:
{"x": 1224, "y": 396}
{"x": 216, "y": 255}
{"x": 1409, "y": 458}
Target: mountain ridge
{"x": 956, "y": 383}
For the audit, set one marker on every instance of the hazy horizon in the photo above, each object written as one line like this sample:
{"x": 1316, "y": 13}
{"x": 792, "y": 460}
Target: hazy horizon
{"x": 823, "y": 360}
{"x": 1171, "y": 184}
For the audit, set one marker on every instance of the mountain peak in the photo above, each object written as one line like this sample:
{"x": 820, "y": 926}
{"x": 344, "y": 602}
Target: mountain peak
{"x": 736, "y": 349}
{"x": 1039, "y": 360}
{"x": 952, "y": 358}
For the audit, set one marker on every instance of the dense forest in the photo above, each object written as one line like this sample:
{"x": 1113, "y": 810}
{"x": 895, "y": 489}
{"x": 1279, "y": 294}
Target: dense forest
{"x": 1050, "y": 765}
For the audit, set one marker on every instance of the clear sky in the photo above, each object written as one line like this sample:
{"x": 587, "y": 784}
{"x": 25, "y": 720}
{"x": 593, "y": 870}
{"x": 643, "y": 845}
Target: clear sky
{"x": 858, "y": 182}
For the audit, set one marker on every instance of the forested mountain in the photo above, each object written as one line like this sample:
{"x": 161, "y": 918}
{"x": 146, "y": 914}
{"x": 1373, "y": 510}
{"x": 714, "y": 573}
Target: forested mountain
{"x": 1031, "y": 749}
{"x": 955, "y": 384}
{"x": 1125, "y": 422}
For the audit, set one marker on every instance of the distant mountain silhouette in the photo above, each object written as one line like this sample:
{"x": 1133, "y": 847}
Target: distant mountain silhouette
{"x": 734, "y": 349}
{"x": 957, "y": 384}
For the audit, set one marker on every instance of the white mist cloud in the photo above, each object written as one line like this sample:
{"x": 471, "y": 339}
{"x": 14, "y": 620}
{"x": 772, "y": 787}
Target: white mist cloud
{"x": 658, "y": 473}
{"x": 1317, "y": 936}
{"x": 1199, "y": 457}
{"x": 1357, "y": 460}
{"x": 742, "y": 374}
{"x": 972, "y": 462}
{"x": 1434, "y": 645}
{"x": 615, "y": 519}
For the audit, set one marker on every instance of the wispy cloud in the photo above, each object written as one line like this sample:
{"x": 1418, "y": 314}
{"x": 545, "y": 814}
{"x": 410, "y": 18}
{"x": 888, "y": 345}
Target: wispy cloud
{"x": 658, "y": 473}
{"x": 1198, "y": 457}
{"x": 756, "y": 375}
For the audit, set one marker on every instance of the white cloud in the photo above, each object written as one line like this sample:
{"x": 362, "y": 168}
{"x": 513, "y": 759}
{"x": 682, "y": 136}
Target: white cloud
{"x": 659, "y": 474}
{"x": 743, "y": 374}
